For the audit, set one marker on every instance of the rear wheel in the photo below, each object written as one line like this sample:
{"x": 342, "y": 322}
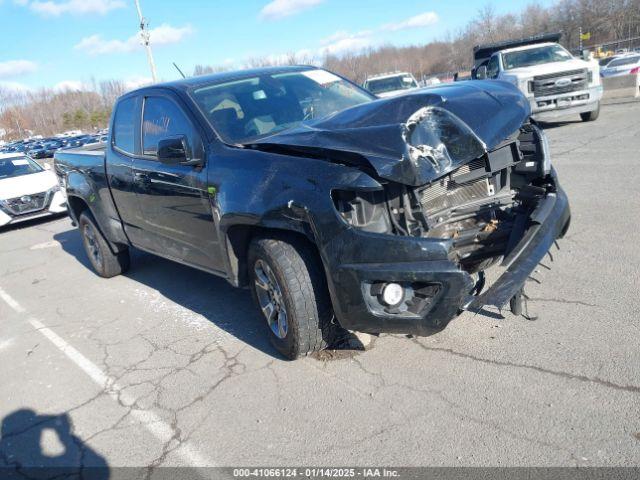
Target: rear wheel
{"x": 591, "y": 116}
{"x": 104, "y": 261}
{"x": 289, "y": 287}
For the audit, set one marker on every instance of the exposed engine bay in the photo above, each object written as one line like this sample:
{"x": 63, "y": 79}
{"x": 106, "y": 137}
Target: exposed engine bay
{"x": 463, "y": 166}
{"x": 483, "y": 207}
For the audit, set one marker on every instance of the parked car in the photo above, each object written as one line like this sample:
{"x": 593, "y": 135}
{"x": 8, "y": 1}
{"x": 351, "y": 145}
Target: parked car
{"x": 555, "y": 83}
{"x": 52, "y": 146}
{"x": 27, "y": 190}
{"x": 336, "y": 208}
{"x": 38, "y": 152}
{"x": 390, "y": 84}
{"x": 624, "y": 65}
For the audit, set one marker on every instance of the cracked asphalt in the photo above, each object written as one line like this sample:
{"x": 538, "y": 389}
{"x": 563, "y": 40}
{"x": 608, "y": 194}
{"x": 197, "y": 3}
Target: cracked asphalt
{"x": 168, "y": 366}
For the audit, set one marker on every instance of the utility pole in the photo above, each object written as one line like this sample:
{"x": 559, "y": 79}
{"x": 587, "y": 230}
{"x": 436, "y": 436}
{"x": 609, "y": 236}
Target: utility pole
{"x": 145, "y": 37}
{"x": 580, "y": 35}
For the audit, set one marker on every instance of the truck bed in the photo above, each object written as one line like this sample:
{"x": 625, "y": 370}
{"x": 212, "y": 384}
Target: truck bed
{"x": 91, "y": 154}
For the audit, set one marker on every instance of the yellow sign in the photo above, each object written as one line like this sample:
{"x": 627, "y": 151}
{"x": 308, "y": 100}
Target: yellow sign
{"x": 585, "y": 36}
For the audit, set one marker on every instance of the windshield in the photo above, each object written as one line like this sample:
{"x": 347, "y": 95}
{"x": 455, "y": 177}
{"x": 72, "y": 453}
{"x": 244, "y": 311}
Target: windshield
{"x": 535, "y": 56}
{"x": 389, "y": 84}
{"x": 16, "y": 166}
{"x": 245, "y": 110}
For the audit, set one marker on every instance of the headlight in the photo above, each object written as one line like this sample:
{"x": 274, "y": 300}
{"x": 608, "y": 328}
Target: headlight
{"x": 363, "y": 210}
{"x": 525, "y": 85}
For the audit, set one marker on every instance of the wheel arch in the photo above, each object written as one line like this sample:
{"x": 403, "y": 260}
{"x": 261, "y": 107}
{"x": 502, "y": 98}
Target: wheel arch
{"x": 77, "y": 205}
{"x": 238, "y": 239}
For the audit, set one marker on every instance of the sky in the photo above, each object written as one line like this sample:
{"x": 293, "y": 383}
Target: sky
{"x": 66, "y": 43}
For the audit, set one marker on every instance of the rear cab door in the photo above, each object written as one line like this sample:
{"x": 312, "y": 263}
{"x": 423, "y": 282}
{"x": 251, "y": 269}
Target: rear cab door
{"x": 123, "y": 147}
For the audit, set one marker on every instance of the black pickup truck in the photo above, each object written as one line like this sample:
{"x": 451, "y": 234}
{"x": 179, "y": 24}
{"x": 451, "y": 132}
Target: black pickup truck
{"x": 339, "y": 210}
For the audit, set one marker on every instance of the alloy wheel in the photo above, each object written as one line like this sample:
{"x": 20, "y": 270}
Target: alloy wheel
{"x": 270, "y": 299}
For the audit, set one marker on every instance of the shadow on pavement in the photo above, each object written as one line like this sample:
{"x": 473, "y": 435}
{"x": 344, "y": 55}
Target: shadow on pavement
{"x": 552, "y": 125}
{"x": 32, "y": 223}
{"x": 229, "y": 308}
{"x": 43, "y": 446}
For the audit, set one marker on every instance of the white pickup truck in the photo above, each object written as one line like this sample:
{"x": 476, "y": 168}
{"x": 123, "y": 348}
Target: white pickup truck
{"x": 555, "y": 82}
{"x": 390, "y": 84}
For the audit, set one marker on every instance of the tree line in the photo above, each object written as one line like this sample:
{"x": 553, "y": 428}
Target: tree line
{"x": 48, "y": 111}
{"x": 605, "y": 20}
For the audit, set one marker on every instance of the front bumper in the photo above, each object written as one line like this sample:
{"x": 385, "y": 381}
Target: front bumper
{"x": 363, "y": 258}
{"x": 561, "y": 105}
{"x": 57, "y": 204}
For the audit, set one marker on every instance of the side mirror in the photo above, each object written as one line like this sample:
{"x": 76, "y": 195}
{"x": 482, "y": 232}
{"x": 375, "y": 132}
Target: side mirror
{"x": 47, "y": 166}
{"x": 481, "y": 72}
{"x": 173, "y": 150}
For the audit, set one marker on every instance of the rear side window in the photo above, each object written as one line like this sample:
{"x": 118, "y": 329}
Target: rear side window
{"x": 163, "y": 119}
{"x": 123, "y": 126}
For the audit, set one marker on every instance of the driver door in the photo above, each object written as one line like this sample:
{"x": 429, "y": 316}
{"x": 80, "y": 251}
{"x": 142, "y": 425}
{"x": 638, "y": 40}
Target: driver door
{"x": 173, "y": 198}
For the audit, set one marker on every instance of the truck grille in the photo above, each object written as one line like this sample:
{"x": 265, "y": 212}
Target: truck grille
{"x": 557, "y": 83}
{"x": 27, "y": 203}
{"x": 447, "y": 193}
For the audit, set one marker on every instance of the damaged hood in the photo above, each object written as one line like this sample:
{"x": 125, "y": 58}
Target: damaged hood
{"x": 417, "y": 137}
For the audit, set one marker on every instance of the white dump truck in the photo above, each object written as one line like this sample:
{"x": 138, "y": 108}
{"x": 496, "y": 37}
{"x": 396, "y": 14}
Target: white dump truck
{"x": 556, "y": 83}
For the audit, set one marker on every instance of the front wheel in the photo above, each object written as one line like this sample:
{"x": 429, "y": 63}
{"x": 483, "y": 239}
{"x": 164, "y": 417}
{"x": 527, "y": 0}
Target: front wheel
{"x": 289, "y": 287}
{"x": 592, "y": 115}
{"x": 106, "y": 263}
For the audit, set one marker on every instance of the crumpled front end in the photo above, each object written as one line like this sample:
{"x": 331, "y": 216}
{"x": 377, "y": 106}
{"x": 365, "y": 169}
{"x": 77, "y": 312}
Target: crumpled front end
{"x": 504, "y": 207}
{"x": 465, "y": 183}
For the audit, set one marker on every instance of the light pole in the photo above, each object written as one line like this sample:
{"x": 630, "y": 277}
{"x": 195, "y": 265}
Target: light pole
{"x": 145, "y": 37}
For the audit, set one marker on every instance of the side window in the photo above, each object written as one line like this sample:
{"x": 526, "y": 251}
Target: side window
{"x": 162, "y": 119}
{"x": 493, "y": 67}
{"x": 123, "y": 126}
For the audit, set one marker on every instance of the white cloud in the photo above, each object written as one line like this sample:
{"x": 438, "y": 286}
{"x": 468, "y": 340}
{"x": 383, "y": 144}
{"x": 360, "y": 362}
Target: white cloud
{"x": 419, "y": 21}
{"x": 70, "y": 86}
{"x": 14, "y": 68}
{"x": 13, "y": 87}
{"x": 75, "y": 7}
{"x": 342, "y": 42}
{"x": 162, "y": 35}
{"x": 278, "y": 9}
{"x": 137, "y": 82}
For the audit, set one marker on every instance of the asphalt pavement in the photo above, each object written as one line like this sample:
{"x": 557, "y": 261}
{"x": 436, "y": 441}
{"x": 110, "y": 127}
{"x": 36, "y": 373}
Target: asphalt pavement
{"x": 169, "y": 366}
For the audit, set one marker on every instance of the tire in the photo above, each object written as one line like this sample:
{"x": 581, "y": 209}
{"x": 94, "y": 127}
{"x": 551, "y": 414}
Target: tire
{"x": 591, "y": 116}
{"x": 294, "y": 274}
{"x": 103, "y": 260}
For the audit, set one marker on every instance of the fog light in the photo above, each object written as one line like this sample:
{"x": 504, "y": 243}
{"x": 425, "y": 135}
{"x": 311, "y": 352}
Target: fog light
{"x": 392, "y": 294}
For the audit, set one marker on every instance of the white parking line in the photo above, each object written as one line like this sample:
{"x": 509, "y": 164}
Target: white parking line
{"x": 10, "y": 301}
{"x": 152, "y": 422}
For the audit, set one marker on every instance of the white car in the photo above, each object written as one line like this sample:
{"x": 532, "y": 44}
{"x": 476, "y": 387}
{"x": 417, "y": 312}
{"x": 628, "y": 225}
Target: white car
{"x": 628, "y": 64}
{"x": 27, "y": 190}
{"x": 390, "y": 84}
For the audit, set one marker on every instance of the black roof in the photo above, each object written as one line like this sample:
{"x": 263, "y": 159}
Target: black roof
{"x": 202, "y": 80}
{"x": 482, "y": 52}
